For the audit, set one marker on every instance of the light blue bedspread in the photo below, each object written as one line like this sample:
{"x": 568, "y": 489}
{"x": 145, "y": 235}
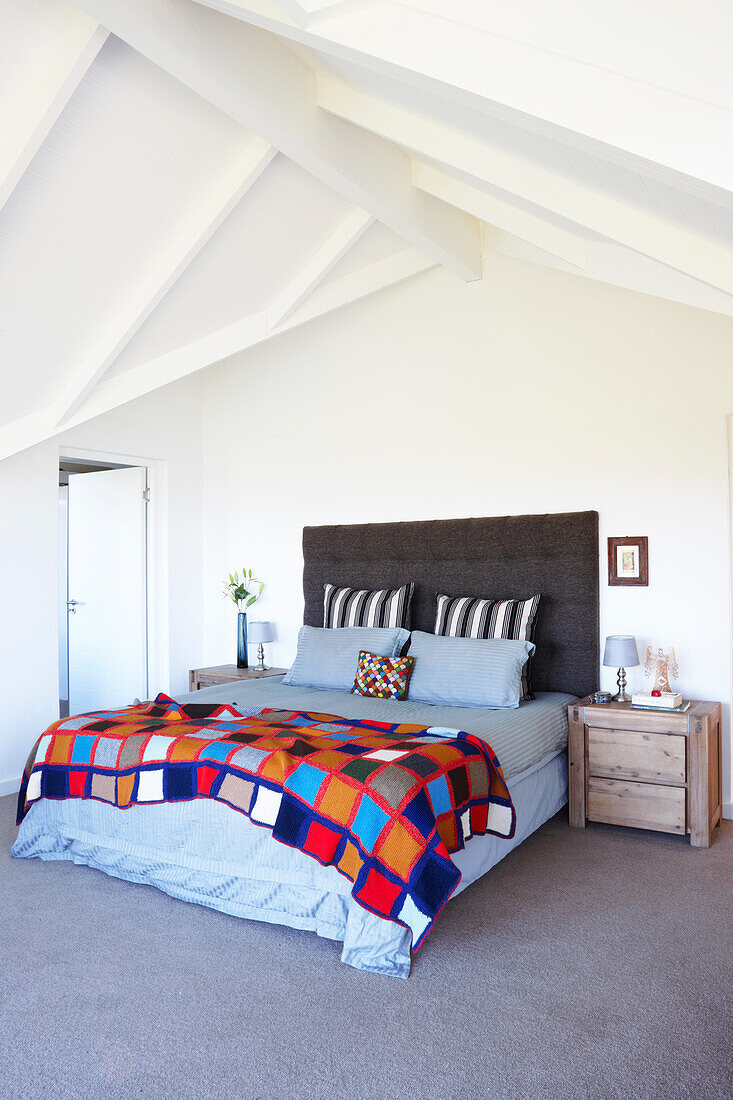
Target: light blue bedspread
{"x": 518, "y": 737}
{"x": 204, "y": 852}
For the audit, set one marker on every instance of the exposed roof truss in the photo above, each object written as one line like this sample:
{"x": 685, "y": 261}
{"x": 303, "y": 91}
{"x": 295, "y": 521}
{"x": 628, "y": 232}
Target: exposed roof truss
{"x": 223, "y": 343}
{"x": 368, "y": 100}
{"x": 174, "y": 260}
{"x": 254, "y": 78}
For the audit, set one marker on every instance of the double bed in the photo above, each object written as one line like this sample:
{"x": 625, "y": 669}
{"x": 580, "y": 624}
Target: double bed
{"x": 201, "y": 851}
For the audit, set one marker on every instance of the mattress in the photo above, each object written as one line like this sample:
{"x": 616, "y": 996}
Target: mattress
{"x": 202, "y": 851}
{"x": 520, "y": 738}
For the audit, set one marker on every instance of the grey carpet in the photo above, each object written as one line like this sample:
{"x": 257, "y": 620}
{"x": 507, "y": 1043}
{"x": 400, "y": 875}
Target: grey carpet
{"x": 590, "y": 963}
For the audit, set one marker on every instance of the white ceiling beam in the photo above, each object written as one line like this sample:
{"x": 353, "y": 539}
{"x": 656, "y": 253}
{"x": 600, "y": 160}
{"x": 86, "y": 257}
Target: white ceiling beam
{"x": 237, "y": 337}
{"x": 150, "y": 291}
{"x": 36, "y": 109}
{"x": 253, "y": 77}
{"x": 360, "y": 284}
{"x": 338, "y": 244}
{"x": 212, "y": 348}
{"x": 573, "y": 100}
{"x": 678, "y": 248}
{"x": 500, "y": 214}
{"x": 605, "y": 262}
{"x": 617, "y": 266}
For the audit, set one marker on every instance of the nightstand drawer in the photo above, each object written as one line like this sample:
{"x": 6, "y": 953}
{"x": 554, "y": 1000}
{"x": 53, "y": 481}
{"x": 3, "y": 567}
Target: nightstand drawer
{"x": 212, "y": 681}
{"x": 622, "y": 754}
{"x": 641, "y": 805}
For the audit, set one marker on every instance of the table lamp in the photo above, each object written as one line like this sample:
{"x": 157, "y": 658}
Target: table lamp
{"x": 620, "y": 653}
{"x": 258, "y": 634}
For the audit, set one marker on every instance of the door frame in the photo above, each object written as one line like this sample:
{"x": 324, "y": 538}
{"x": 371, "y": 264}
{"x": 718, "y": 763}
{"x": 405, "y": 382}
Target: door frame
{"x": 727, "y": 741}
{"x": 158, "y": 609}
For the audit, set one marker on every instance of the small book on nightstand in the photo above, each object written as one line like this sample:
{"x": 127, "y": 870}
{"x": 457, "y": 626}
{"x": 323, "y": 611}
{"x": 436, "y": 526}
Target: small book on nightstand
{"x": 667, "y": 700}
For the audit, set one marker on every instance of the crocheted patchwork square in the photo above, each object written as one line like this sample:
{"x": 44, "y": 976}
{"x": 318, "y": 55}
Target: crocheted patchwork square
{"x": 382, "y": 677}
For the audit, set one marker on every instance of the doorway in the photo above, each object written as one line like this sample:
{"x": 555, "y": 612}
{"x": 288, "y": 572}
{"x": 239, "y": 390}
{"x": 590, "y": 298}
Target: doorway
{"x": 103, "y": 584}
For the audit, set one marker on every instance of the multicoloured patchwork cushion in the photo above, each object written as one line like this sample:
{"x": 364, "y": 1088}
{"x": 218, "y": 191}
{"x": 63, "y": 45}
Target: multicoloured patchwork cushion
{"x": 382, "y": 677}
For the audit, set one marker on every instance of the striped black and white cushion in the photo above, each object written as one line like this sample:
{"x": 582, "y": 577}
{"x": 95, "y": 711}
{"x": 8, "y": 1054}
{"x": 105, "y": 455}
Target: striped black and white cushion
{"x": 362, "y": 607}
{"x": 469, "y": 617}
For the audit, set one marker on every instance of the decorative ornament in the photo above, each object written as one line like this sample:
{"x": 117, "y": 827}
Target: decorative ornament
{"x": 661, "y": 666}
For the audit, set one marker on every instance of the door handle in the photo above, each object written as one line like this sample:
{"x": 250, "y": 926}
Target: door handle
{"x": 71, "y": 606}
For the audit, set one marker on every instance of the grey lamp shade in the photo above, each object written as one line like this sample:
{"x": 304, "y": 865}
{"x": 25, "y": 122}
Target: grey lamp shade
{"x": 620, "y": 651}
{"x": 258, "y": 633}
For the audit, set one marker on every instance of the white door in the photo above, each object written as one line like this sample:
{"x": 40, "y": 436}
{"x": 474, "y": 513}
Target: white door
{"x": 107, "y": 590}
{"x": 63, "y": 597}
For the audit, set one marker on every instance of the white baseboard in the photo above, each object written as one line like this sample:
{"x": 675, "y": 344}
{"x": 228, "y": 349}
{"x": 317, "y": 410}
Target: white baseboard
{"x": 728, "y": 810}
{"x": 9, "y": 786}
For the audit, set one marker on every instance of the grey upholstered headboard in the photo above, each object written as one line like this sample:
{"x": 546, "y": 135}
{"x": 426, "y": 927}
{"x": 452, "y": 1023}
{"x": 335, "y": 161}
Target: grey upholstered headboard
{"x": 497, "y": 557}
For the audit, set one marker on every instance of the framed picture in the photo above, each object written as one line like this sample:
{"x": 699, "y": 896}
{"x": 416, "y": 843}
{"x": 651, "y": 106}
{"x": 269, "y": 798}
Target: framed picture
{"x": 628, "y": 560}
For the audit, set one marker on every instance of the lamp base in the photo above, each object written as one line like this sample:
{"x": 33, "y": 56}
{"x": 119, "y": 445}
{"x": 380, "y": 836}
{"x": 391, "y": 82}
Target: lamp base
{"x": 261, "y": 666}
{"x": 621, "y": 696}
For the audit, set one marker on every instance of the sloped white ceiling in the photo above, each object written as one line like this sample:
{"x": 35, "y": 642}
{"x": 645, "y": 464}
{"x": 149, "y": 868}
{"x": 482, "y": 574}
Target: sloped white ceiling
{"x": 145, "y": 234}
{"x": 649, "y": 79}
{"x": 645, "y": 187}
{"x": 649, "y": 41}
{"x": 260, "y": 247}
{"x": 31, "y": 31}
{"x": 129, "y": 157}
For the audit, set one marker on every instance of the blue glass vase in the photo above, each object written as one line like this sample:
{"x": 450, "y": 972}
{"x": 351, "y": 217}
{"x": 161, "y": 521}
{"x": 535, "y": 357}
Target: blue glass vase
{"x": 242, "y": 639}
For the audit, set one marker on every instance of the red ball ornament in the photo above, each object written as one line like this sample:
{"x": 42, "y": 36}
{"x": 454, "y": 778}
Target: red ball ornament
{"x": 657, "y": 694}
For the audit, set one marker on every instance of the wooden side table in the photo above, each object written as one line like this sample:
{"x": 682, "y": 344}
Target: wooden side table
{"x": 647, "y": 769}
{"x": 226, "y": 674}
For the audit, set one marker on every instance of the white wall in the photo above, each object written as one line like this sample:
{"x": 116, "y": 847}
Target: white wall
{"x": 531, "y": 391}
{"x": 165, "y": 426}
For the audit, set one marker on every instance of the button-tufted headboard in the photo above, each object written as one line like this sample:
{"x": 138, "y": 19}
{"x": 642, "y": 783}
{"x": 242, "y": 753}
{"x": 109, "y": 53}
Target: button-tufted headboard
{"x": 495, "y": 557}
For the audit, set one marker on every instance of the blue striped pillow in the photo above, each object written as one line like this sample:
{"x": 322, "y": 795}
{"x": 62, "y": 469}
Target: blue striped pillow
{"x": 468, "y": 672}
{"x": 471, "y": 617}
{"x": 328, "y": 659}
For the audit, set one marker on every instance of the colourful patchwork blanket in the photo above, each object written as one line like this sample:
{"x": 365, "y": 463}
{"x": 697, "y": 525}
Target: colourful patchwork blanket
{"x": 384, "y": 804}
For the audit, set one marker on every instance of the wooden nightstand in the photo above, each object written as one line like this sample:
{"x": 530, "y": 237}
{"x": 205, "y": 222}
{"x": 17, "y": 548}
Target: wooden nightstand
{"x": 226, "y": 674}
{"x": 646, "y": 769}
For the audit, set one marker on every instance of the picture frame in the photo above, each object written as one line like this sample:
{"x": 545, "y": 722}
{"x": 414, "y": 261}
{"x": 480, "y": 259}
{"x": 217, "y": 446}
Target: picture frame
{"x": 628, "y": 560}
